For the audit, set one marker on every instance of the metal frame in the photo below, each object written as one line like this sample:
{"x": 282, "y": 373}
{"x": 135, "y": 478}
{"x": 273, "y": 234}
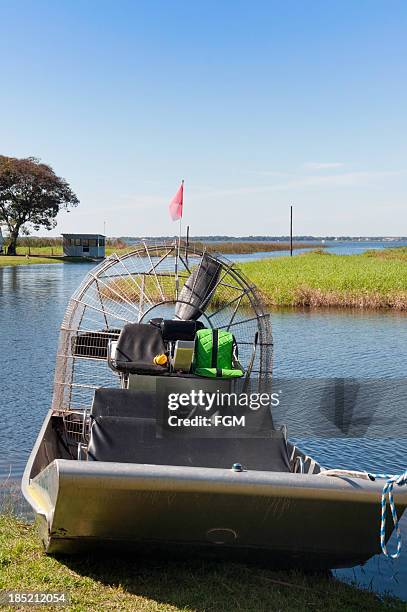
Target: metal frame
{"x": 128, "y": 288}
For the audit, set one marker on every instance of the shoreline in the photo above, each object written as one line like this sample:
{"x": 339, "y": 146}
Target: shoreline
{"x": 152, "y": 583}
{"x": 12, "y": 261}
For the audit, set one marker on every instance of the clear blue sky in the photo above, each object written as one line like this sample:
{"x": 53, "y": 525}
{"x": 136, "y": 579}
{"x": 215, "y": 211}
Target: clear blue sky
{"x": 255, "y": 104}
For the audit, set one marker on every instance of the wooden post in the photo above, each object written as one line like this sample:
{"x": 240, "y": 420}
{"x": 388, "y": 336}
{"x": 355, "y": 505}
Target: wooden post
{"x": 291, "y": 231}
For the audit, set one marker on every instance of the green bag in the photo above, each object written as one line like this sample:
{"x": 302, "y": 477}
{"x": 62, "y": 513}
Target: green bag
{"x": 214, "y": 354}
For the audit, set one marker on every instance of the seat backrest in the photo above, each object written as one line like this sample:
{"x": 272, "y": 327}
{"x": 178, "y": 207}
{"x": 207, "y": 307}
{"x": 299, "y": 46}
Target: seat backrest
{"x": 173, "y": 330}
{"x": 134, "y": 440}
{"x": 214, "y": 354}
{"x": 137, "y": 346}
{"x": 123, "y": 403}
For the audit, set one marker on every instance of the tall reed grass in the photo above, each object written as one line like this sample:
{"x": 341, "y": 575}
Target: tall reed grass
{"x": 326, "y": 280}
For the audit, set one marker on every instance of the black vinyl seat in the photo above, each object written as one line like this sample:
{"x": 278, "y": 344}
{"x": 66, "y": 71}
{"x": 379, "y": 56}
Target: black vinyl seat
{"x": 136, "y": 348}
{"x": 133, "y": 440}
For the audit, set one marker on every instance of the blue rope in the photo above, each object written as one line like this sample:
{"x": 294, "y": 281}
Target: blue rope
{"x": 387, "y": 494}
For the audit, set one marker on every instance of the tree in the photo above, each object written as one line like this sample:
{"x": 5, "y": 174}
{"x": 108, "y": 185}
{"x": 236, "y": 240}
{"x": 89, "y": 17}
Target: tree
{"x": 31, "y": 196}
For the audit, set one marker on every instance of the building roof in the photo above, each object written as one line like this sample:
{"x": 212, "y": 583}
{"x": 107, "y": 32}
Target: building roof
{"x": 84, "y": 235}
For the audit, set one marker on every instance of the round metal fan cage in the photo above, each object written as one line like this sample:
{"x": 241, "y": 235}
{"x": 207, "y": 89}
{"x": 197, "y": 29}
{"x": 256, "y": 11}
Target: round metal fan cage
{"x": 140, "y": 285}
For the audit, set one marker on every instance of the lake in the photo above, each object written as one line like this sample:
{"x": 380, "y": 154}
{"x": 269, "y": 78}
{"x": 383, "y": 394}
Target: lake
{"x": 335, "y": 343}
{"x": 346, "y": 247}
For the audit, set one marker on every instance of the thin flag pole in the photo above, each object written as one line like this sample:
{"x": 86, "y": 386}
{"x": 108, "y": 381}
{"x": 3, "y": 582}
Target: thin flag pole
{"x": 178, "y": 253}
{"x": 176, "y": 270}
{"x": 179, "y": 246}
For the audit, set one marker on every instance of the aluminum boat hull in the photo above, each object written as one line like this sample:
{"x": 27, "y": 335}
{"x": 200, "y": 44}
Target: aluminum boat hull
{"x": 289, "y": 519}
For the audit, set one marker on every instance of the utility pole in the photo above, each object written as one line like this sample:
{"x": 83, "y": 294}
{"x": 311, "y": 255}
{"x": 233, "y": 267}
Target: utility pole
{"x": 291, "y": 231}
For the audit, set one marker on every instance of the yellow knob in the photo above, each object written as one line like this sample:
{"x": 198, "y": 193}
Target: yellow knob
{"x": 160, "y": 359}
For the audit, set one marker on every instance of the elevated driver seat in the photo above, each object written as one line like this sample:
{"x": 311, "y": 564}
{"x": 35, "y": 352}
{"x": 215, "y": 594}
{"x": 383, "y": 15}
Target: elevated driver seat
{"x": 136, "y": 348}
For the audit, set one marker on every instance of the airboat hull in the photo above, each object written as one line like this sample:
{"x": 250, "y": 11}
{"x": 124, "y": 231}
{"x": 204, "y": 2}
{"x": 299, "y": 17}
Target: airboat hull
{"x": 288, "y": 519}
{"x": 116, "y": 498}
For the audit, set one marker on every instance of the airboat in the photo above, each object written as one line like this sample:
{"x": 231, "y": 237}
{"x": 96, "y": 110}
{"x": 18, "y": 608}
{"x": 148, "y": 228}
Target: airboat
{"x": 107, "y": 470}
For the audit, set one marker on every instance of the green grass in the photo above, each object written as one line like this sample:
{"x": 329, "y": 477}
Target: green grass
{"x": 40, "y": 250}
{"x": 6, "y": 260}
{"x": 399, "y": 253}
{"x": 372, "y": 280}
{"x": 107, "y": 582}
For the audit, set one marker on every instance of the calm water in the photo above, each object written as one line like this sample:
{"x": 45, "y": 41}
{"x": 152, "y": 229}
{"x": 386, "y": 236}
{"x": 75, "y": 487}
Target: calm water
{"x": 332, "y": 246}
{"x": 339, "y": 344}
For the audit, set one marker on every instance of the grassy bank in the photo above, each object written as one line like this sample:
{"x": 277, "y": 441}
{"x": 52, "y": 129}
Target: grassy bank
{"x": 399, "y": 253}
{"x": 6, "y": 260}
{"x": 18, "y": 260}
{"x": 102, "y": 582}
{"x": 375, "y": 279}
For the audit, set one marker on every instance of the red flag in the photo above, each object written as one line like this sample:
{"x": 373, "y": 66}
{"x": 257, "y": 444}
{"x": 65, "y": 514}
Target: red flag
{"x": 176, "y": 204}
